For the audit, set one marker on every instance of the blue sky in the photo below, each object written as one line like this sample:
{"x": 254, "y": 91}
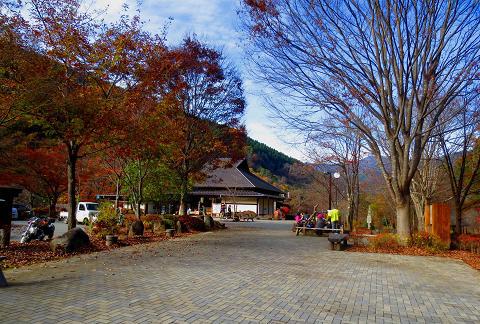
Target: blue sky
{"x": 215, "y": 22}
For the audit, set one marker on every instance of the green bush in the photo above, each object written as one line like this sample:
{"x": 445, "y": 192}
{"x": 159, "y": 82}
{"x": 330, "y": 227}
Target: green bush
{"x": 106, "y": 222}
{"x": 169, "y": 224}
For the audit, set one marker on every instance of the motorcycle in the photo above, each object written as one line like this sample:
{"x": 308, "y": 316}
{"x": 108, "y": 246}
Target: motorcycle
{"x": 37, "y": 228}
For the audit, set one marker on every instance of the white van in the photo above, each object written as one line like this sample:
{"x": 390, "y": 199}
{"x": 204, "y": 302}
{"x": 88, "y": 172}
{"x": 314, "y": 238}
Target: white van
{"x": 87, "y": 212}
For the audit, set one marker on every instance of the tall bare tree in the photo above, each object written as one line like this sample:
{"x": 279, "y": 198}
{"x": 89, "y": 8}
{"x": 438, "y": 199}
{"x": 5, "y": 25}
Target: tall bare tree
{"x": 460, "y": 144}
{"x": 342, "y": 146}
{"x": 390, "y": 67}
{"x": 425, "y": 183}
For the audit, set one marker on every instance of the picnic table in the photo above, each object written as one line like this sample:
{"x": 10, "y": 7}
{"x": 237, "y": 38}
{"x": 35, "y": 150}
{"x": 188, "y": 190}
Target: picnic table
{"x": 304, "y": 229}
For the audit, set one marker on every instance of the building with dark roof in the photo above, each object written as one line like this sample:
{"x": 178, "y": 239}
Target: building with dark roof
{"x": 238, "y": 188}
{"x": 233, "y": 185}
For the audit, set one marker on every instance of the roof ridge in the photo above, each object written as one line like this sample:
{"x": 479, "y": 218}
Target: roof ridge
{"x": 265, "y": 182}
{"x": 245, "y": 177}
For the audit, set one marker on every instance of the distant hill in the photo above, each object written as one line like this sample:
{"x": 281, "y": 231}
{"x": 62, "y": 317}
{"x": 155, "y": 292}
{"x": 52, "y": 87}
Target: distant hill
{"x": 275, "y": 167}
{"x": 267, "y": 162}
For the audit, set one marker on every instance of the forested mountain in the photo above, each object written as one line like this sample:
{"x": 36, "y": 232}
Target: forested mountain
{"x": 269, "y": 162}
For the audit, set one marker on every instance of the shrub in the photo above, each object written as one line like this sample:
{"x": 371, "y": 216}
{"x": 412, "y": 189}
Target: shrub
{"x": 148, "y": 226}
{"x": 428, "y": 241}
{"x": 469, "y": 242}
{"x": 107, "y": 221}
{"x": 169, "y": 221}
{"x": 128, "y": 220}
{"x": 362, "y": 230}
{"x": 149, "y": 220}
{"x": 357, "y": 223}
{"x": 385, "y": 241}
{"x": 169, "y": 224}
{"x": 192, "y": 223}
{"x": 152, "y": 218}
{"x": 388, "y": 229}
{"x": 40, "y": 211}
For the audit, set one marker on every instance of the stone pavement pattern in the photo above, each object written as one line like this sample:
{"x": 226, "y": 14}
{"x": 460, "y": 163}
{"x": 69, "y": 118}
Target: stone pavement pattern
{"x": 253, "y": 272}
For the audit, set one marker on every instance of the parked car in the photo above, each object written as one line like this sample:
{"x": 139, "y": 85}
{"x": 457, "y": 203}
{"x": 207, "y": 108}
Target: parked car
{"x": 86, "y": 212}
{"x": 23, "y": 211}
{"x": 14, "y": 213}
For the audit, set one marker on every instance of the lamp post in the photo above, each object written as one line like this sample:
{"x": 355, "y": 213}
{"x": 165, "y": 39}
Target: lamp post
{"x": 335, "y": 175}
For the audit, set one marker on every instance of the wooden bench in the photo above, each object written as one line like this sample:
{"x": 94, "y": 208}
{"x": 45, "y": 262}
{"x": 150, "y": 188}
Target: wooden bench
{"x": 3, "y": 281}
{"x": 304, "y": 229}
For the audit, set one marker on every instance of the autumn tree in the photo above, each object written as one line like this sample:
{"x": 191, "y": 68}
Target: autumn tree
{"x": 82, "y": 70}
{"x": 39, "y": 170}
{"x": 202, "y": 100}
{"x": 389, "y": 67}
{"x": 9, "y": 48}
{"x": 133, "y": 166}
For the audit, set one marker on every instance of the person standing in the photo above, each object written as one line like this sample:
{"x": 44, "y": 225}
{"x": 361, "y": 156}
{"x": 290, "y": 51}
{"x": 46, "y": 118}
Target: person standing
{"x": 335, "y": 217}
{"x": 222, "y": 210}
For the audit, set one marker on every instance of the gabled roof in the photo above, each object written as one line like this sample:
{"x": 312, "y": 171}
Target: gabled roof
{"x": 236, "y": 176}
{"x": 237, "y": 193}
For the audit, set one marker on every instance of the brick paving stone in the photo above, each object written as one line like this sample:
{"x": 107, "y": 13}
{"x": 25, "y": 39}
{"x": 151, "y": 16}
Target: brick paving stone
{"x": 251, "y": 273}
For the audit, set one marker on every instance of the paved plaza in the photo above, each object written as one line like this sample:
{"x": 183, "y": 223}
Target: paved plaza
{"x": 253, "y": 272}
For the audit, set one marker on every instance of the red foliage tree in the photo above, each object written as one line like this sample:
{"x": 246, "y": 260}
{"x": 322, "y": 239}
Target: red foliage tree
{"x": 41, "y": 171}
{"x": 73, "y": 94}
{"x": 202, "y": 100}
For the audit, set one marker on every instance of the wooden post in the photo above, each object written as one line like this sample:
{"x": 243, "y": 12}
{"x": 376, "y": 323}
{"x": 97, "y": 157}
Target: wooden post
{"x": 6, "y": 200}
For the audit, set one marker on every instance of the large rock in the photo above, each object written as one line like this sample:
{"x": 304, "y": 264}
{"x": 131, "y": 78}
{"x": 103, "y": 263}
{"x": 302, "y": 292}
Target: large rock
{"x": 178, "y": 227}
{"x": 209, "y": 224}
{"x": 338, "y": 241}
{"x": 137, "y": 228}
{"x": 71, "y": 241}
{"x": 218, "y": 225}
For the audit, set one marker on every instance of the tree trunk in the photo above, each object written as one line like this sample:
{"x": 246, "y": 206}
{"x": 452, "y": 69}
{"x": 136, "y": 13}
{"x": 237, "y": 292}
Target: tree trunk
{"x": 5, "y": 223}
{"x": 351, "y": 209}
{"x": 52, "y": 207}
{"x": 419, "y": 205}
{"x": 117, "y": 193}
{"x": 136, "y": 204}
{"x": 139, "y": 200}
{"x": 138, "y": 210}
{"x": 458, "y": 218}
{"x": 72, "y": 185}
{"x": 183, "y": 196}
{"x": 183, "y": 204}
{"x": 403, "y": 217}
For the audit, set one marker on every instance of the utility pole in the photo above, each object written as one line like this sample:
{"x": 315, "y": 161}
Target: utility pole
{"x": 336, "y": 175}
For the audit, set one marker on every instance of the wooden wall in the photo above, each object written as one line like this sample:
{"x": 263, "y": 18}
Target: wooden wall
{"x": 437, "y": 220}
